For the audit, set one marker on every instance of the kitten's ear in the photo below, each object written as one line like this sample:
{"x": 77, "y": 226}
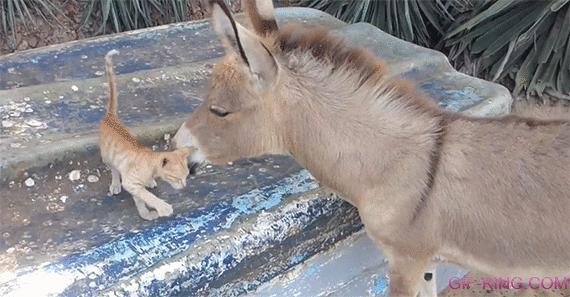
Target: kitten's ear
{"x": 253, "y": 53}
{"x": 164, "y": 161}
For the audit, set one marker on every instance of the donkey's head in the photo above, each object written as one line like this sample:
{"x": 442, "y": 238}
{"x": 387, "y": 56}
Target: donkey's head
{"x": 238, "y": 118}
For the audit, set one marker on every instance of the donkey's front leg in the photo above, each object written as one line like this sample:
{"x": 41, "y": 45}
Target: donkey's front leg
{"x": 429, "y": 283}
{"x": 406, "y": 274}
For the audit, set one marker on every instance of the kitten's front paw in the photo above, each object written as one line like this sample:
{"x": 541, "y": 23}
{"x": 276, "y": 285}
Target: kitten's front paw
{"x": 149, "y": 215}
{"x": 115, "y": 189}
{"x": 152, "y": 184}
{"x": 164, "y": 209}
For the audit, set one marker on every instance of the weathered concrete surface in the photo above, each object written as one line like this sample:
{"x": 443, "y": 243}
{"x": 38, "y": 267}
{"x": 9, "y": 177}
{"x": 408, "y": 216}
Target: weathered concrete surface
{"x": 235, "y": 226}
{"x": 353, "y": 267}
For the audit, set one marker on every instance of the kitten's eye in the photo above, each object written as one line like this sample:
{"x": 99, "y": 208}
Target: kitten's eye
{"x": 219, "y": 111}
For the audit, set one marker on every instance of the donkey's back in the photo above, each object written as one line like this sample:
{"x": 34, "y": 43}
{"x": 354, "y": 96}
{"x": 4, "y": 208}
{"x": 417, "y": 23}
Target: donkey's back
{"x": 505, "y": 194}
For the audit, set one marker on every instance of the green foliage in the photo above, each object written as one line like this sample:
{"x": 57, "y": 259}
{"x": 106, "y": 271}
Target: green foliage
{"x": 124, "y": 15}
{"x": 527, "y": 41}
{"x": 412, "y": 20}
{"x": 26, "y": 11}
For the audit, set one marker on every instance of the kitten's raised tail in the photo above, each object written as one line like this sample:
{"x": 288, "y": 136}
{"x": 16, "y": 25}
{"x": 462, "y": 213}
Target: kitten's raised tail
{"x": 112, "y": 103}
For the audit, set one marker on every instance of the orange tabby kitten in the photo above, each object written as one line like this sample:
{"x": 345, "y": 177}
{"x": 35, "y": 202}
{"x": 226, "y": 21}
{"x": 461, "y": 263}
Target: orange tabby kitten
{"x": 134, "y": 164}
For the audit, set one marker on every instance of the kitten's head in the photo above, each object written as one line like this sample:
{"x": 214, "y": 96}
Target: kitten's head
{"x": 173, "y": 167}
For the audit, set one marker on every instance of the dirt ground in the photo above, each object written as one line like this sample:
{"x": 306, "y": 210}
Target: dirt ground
{"x": 476, "y": 290}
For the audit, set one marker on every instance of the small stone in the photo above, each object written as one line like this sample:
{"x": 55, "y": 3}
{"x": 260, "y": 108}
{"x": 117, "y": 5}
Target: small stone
{"x": 166, "y": 136}
{"x": 63, "y": 198}
{"x": 7, "y": 124}
{"x": 15, "y": 145}
{"x": 34, "y": 123}
{"x": 10, "y": 250}
{"x": 74, "y": 175}
{"x": 28, "y": 110}
{"x": 29, "y": 182}
{"x": 230, "y": 163}
{"x": 99, "y": 73}
{"x": 93, "y": 106}
{"x": 27, "y": 99}
{"x": 92, "y": 179}
{"x": 74, "y": 88}
{"x": 136, "y": 80}
{"x": 92, "y": 285}
{"x": 15, "y": 114}
{"x": 84, "y": 57}
{"x": 47, "y": 101}
{"x": 11, "y": 70}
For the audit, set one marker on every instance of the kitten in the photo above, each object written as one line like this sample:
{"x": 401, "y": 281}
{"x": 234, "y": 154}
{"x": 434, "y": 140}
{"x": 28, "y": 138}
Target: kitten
{"x": 133, "y": 165}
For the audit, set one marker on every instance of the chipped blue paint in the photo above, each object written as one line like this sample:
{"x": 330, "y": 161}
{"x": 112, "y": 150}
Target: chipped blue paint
{"x": 261, "y": 199}
{"x": 312, "y": 270}
{"x": 131, "y": 253}
{"x": 451, "y": 98}
{"x": 296, "y": 259}
{"x": 191, "y": 271}
{"x": 82, "y": 60}
{"x": 380, "y": 286}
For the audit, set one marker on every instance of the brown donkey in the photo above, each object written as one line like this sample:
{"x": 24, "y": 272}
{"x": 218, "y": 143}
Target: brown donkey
{"x": 490, "y": 194}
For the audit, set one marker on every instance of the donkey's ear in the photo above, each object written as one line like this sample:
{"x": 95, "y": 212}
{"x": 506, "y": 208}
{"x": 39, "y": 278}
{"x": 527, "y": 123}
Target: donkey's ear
{"x": 246, "y": 44}
{"x": 262, "y": 16}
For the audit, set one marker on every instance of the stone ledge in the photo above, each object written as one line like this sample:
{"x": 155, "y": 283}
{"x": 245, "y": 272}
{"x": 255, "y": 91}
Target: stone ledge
{"x": 88, "y": 244}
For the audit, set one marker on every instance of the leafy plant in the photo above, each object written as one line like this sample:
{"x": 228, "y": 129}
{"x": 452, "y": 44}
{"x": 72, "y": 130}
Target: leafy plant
{"x": 124, "y": 15}
{"x": 525, "y": 41}
{"x": 418, "y": 21}
{"x": 26, "y": 11}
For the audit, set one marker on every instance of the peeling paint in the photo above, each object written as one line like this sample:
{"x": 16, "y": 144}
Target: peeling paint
{"x": 380, "y": 285}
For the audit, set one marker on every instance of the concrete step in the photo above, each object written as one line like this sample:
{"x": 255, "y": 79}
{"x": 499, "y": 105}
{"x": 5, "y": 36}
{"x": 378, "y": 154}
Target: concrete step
{"x": 235, "y": 227}
{"x": 353, "y": 267}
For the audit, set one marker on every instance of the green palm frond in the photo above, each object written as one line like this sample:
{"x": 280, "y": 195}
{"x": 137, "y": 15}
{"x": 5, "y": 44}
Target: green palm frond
{"x": 527, "y": 41}
{"x": 418, "y": 21}
{"x": 26, "y": 11}
{"x": 124, "y": 15}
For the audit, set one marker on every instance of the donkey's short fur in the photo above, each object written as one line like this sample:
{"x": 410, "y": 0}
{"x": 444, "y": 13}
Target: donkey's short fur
{"x": 490, "y": 194}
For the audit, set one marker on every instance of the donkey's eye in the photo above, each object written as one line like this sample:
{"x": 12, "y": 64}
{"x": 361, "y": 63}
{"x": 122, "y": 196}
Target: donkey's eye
{"x": 219, "y": 111}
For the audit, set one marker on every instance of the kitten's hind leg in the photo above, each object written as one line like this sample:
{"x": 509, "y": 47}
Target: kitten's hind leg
{"x": 138, "y": 191}
{"x": 144, "y": 212}
{"x": 115, "y": 187}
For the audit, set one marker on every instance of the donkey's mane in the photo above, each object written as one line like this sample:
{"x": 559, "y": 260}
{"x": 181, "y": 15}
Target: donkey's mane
{"x": 369, "y": 69}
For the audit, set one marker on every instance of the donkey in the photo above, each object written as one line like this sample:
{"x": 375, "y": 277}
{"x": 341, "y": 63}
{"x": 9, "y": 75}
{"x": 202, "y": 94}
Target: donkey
{"x": 491, "y": 194}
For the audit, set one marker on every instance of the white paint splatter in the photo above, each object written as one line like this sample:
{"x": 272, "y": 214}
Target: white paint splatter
{"x": 34, "y": 123}
{"x": 7, "y": 124}
{"x": 29, "y": 182}
{"x": 74, "y": 175}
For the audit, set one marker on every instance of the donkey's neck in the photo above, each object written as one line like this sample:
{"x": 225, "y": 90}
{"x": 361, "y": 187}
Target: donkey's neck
{"x": 350, "y": 139}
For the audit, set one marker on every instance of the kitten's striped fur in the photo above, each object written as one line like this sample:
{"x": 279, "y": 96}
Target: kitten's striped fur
{"x": 133, "y": 165}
